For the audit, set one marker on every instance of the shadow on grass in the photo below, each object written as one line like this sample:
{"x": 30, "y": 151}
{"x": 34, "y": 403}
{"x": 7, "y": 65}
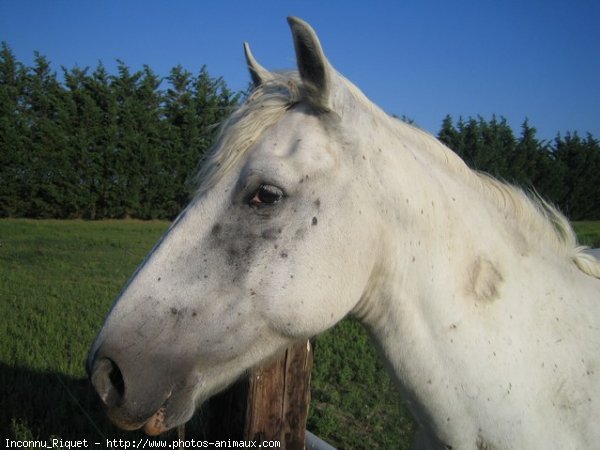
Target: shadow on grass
{"x": 45, "y": 405}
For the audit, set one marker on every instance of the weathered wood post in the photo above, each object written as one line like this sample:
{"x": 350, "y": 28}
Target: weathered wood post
{"x": 271, "y": 404}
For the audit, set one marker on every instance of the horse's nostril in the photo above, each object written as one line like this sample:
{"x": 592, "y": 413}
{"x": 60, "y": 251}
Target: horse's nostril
{"x": 108, "y": 381}
{"x": 116, "y": 378}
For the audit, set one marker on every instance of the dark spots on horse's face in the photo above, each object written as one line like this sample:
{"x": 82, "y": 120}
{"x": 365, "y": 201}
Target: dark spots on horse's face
{"x": 178, "y": 314}
{"x": 216, "y": 229}
{"x": 314, "y": 221}
{"x": 317, "y": 203}
{"x": 283, "y": 255}
{"x": 232, "y": 254}
{"x": 237, "y": 244}
{"x": 239, "y": 255}
{"x": 299, "y": 234}
{"x": 271, "y": 234}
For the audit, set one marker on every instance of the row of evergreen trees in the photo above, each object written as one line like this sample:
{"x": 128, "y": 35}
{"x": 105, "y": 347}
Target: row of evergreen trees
{"x": 97, "y": 145}
{"x": 565, "y": 171}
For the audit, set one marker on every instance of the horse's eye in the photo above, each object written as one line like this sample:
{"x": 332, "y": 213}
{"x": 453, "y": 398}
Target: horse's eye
{"x": 266, "y": 195}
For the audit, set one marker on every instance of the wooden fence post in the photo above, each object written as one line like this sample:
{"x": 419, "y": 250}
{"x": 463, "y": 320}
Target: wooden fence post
{"x": 270, "y": 405}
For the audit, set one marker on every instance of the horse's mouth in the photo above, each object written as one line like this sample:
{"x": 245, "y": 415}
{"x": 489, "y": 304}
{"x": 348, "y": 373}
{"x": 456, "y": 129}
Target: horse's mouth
{"x": 165, "y": 418}
{"x": 156, "y": 424}
{"x": 153, "y": 426}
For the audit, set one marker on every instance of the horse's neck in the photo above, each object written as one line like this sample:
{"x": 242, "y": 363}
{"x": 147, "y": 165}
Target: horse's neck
{"x": 428, "y": 242}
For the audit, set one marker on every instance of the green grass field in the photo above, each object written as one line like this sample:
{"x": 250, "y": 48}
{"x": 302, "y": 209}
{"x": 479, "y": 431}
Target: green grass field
{"x": 57, "y": 281}
{"x": 588, "y": 233}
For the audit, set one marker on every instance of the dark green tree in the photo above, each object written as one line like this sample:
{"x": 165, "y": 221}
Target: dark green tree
{"x": 524, "y": 160}
{"x": 497, "y": 141}
{"x": 450, "y": 136}
{"x": 12, "y": 132}
{"x": 47, "y": 189}
{"x": 581, "y": 159}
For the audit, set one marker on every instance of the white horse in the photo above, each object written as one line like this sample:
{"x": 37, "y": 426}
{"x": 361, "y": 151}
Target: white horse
{"x": 314, "y": 205}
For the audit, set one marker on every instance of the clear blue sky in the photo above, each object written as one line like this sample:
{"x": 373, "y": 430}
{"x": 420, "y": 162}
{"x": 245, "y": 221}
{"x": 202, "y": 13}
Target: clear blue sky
{"x": 536, "y": 59}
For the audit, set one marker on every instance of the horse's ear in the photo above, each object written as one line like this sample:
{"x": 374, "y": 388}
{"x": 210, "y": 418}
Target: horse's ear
{"x": 258, "y": 73}
{"x": 313, "y": 66}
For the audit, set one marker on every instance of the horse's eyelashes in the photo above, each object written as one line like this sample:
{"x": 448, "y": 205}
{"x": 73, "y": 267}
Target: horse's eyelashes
{"x": 266, "y": 195}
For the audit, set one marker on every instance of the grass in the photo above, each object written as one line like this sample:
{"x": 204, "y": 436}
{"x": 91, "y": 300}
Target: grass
{"x": 588, "y": 233}
{"x": 58, "y": 280}
{"x": 354, "y": 402}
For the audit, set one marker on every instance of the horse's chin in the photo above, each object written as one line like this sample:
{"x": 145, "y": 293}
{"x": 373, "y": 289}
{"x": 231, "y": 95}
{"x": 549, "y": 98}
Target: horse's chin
{"x": 173, "y": 413}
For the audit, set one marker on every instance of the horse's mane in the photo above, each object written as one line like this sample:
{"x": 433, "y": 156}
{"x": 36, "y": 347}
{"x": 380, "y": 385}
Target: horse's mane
{"x": 538, "y": 220}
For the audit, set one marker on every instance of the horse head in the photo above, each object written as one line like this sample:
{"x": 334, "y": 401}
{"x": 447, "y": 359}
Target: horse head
{"x": 274, "y": 248}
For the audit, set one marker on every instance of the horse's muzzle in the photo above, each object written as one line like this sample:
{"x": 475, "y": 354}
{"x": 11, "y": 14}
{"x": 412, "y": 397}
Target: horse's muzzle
{"x": 132, "y": 397}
